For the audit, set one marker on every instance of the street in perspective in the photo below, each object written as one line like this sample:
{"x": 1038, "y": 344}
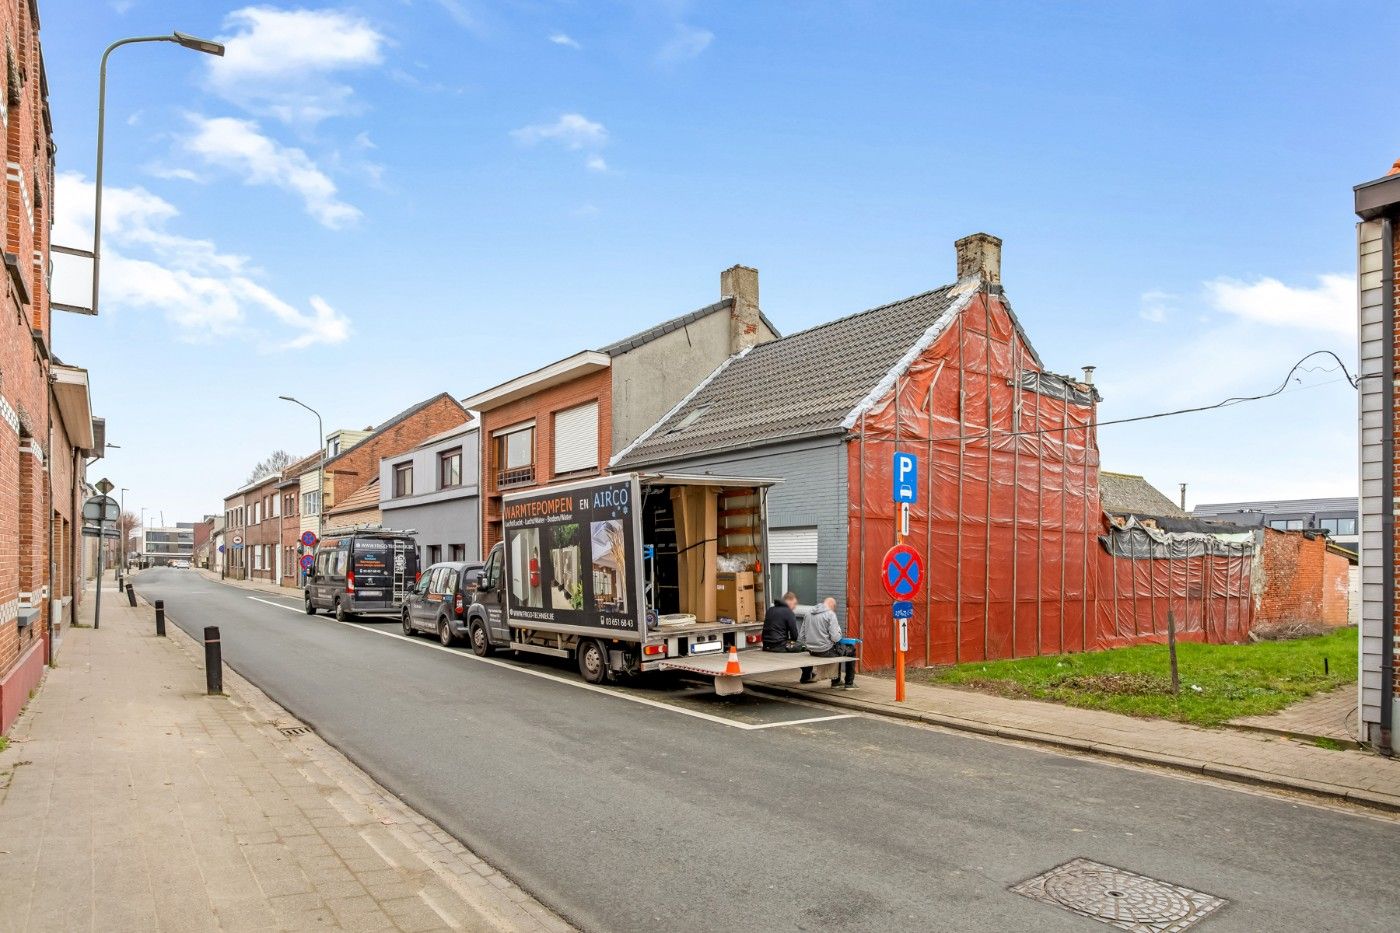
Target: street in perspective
{"x": 1022, "y": 557}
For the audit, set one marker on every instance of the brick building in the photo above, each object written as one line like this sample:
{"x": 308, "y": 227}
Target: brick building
{"x": 565, "y": 420}
{"x": 46, "y": 424}
{"x": 1377, "y": 203}
{"x": 289, "y": 492}
{"x": 1300, "y": 577}
{"x": 262, "y": 536}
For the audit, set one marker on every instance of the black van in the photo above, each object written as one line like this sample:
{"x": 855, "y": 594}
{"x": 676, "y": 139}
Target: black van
{"x": 362, "y": 571}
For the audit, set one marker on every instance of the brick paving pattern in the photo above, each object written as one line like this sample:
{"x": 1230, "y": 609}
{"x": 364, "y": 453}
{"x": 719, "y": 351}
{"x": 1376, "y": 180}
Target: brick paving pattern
{"x": 133, "y": 801}
{"x": 1329, "y": 715}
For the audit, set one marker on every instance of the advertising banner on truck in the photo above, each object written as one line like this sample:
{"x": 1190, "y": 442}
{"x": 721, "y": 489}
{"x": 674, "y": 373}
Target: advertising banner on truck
{"x": 570, "y": 556}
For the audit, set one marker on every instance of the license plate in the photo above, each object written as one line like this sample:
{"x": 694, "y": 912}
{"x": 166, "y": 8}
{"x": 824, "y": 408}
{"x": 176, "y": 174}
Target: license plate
{"x": 369, "y": 593}
{"x": 705, "y": 646}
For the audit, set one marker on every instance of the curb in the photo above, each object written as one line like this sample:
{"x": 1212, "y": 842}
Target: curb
{"x": 1384, "y": 802}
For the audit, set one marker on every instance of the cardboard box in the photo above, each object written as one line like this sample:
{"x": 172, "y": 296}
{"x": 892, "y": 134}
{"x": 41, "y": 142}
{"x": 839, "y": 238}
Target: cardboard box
{"x": 734, "y": 597}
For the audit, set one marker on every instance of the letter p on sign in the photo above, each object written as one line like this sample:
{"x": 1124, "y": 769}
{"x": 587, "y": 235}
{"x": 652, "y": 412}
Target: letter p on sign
{"x": 906, "y": 477}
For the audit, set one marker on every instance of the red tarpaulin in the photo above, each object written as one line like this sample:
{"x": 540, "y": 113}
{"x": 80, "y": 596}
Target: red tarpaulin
{"x": 1008, "y": 515}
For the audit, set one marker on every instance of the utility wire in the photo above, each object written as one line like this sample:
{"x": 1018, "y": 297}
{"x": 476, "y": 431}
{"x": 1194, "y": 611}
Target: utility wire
{"x": 1225, "y": 403}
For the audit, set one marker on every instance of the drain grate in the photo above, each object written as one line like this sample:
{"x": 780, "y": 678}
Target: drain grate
{"x": 1120, "y": 898}
{"x": 295, "y": 730}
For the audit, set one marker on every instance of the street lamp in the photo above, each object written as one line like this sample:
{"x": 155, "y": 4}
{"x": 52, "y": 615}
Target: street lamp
{"x": 179, "y": 38}
{"x": 320, "y": 466}
{"x": 121, "y": 528}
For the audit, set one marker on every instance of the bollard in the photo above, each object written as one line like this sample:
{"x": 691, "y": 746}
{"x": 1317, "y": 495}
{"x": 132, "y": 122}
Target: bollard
{"x": 160, "y": 618}
{"x": 213, "y": 660}
{"x": 131, "y": 595}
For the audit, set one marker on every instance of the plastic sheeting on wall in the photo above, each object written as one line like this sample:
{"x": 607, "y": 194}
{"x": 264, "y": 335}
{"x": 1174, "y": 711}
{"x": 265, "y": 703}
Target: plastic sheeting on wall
{"x": 1008, "y": 516}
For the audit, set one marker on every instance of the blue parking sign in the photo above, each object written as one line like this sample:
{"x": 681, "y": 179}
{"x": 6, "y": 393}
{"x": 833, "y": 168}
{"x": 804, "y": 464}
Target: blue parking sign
{"x": 905, "y": 477}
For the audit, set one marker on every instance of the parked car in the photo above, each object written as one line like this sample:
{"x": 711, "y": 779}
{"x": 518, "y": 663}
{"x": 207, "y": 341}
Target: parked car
{"x": 180, "y": 564}
{"x": 362, "y": 572}
{"x": 439, "y": 602}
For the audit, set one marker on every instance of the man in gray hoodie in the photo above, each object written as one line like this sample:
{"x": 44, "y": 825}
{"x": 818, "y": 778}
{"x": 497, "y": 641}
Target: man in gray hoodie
{"x": 822, "y": 634}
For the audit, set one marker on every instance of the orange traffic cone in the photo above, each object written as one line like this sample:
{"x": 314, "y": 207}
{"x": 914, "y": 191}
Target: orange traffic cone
{"x": 732, "y": 667}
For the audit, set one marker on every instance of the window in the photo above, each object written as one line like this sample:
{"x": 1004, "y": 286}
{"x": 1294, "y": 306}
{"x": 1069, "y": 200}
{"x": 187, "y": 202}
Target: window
{"x": 792, "y": 563}
{"x": 272, "y": 506}
{"x": 450, "y": 468}
{"x": 441, "y": 582}
{"x": 457, "y": 551}
{"x": 514, "y": 456}
{"x": 576, "y": 439}
{"x": 434, "y": 553}
{"x": 333, "y": 447}
{"x": 403, "y": 479}
{"x": 1295, "y": 524}
{"x": 311, "y": 502}
{"x": 1346, "y": 526}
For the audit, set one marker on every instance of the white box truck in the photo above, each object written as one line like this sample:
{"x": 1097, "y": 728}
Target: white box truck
{"x": 623, "y": 574}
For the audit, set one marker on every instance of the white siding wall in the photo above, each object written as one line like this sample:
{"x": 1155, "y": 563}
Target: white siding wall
{"x": 1373, "y": 496}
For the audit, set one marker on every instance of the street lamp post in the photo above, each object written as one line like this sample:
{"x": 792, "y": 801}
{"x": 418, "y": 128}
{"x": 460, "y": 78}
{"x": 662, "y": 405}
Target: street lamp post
{"x": 121, "y": 529}
{"x": 179, "y": 38}
{"x": 143, "y": 534}
{"x": 320, "y": 466}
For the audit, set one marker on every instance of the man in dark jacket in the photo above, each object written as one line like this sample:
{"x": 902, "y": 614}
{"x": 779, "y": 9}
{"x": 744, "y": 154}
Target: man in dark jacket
{"x": 780, "y": 626}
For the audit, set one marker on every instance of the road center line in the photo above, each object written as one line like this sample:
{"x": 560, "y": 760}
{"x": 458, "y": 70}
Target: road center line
{"x": 594, "y": 688}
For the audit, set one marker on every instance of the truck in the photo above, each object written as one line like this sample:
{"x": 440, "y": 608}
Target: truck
{"x": 631, "y": 573}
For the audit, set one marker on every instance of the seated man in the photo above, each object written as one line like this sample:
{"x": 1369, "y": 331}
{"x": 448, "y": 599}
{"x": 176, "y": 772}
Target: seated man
{"x": 780, "y": 626}
{"x": 822, "y": 636}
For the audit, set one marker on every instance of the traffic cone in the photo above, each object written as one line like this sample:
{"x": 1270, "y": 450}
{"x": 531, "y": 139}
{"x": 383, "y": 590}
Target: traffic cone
{"x": 732, "y": 668}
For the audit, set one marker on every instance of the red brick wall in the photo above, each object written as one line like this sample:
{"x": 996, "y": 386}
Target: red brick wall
{"x": 1336, "y": 588}
{"x": 266, "y": 534}
{"x": 541, "y": 406}
{"x": 1300, "y": 581}
{"x": 26, "y": 206}
{"x": 360, "y": 463}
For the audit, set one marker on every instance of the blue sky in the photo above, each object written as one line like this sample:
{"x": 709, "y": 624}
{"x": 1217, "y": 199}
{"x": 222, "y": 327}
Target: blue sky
{"x": 368, "y": 203}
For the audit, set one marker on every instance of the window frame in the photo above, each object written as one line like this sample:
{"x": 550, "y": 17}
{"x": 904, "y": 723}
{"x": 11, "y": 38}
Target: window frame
{"x": 403, "y": 479}
{"x": 445, "y": 457}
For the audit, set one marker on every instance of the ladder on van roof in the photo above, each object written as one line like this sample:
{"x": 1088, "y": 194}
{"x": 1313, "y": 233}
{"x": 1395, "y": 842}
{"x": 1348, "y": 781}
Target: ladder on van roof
{"x": 400, "y": 571}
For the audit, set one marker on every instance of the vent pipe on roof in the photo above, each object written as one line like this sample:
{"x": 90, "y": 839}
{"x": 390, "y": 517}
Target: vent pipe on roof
{"x": 979, "y": 255}
{"x": 1089, "y": 375}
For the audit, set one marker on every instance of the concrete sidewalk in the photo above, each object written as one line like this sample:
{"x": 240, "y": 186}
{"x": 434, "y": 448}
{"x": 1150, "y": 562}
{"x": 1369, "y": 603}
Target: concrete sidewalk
{"x": 131, "y": 800}
{"x": 1271, "y": 760}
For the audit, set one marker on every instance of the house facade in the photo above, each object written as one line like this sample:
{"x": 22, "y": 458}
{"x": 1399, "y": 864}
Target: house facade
{"x": 563, "y": 421}
{"x": 1020, "y": 558}
{"x": 433, "y": 490}
{"x": 1377, "y": 204}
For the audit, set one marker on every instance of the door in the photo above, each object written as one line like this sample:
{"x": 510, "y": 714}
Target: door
{"x": 439, "y": 580}
{"x": 416, "y": 600}
{"x": 494, "y": 598}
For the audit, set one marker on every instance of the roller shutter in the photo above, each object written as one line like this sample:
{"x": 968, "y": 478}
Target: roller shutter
{"x": 576, "y": 439}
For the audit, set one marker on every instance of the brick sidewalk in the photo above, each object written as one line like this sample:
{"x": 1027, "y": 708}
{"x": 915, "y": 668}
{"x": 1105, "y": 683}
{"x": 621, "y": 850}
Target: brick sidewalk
{"x": 1330, "y": 715}
{"x": 130, "y": 800}
{"x": 1358, "y": 776}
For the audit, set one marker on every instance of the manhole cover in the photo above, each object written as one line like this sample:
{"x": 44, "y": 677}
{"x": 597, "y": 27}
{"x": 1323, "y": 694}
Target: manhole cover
{"x": 295, "y": 730}
{"x": 1120, "y": 898}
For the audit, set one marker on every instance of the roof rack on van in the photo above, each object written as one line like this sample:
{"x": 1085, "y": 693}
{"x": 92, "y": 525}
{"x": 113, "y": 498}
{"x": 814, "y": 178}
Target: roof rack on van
{"x": 342, "y": 530}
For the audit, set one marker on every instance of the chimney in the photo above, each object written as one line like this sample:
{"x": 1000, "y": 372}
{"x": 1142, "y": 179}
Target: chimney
{"x": 745, "y": 327}
{"x": 979, "y": 255}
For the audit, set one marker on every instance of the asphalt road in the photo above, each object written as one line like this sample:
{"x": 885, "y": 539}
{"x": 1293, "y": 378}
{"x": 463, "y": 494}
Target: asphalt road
{"x": 676, "y": 813}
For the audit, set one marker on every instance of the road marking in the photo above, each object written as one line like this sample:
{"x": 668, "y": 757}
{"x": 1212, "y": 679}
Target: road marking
{"x": 544, "y": 675}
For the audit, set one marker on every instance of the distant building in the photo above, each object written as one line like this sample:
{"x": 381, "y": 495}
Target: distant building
{"x": 1337, "y": 517}
{"x": 1128, "y": 495}
{"x": 160, "y": 546}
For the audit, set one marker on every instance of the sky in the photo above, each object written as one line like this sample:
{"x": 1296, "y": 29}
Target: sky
{"x": 365, "y": 204}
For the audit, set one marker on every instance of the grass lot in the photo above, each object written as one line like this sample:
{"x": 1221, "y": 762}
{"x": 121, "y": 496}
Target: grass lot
{"x": 1218, "y": 682}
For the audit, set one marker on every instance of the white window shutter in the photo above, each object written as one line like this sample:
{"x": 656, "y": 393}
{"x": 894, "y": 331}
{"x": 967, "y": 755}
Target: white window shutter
{"x": 792, "y": 546}
{"x": 576, "y": 439}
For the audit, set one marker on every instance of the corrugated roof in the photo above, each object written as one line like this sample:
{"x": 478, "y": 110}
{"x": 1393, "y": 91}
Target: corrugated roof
{"x": 1341, "y": 504}
{"x": 1130, "y": 494}
{"x": 802, "y": 384}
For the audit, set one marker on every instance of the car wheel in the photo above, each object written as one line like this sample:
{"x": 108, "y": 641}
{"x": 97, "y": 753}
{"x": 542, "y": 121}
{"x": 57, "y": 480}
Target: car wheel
{"x": 408, "y": 628}
{"x": 341, "y": 615}
{"x": 310, "y": 606}
{"x": 592, "y": 662}
{"x": 445, "y": 633}
{"x": 481, "y": 642}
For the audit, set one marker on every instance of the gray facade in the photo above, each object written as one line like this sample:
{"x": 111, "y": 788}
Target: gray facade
{"x": 446, "y": 518}
{"x": 1336, "y": 516}
{"x": 812, "y": 494}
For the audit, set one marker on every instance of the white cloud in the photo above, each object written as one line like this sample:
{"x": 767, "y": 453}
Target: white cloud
{"x": 462, "y": 14}
{"x": 240, "y": 146}
{"x": 206, "y": 293}
{"x": 1329, "y": 306}
{"x": 1155, "y": 306}
{"x": 282, "y": 62}
{"x": 687, "y": 43}
{"x": 571, "y": 130}
{"x": 174, "y": 174}
{"x": 596, "y": 163}
{"x": 566, "y": 40}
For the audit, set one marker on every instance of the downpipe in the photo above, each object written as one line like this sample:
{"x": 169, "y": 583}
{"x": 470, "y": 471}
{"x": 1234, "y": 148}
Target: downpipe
{"x": 1388, "y": 698}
